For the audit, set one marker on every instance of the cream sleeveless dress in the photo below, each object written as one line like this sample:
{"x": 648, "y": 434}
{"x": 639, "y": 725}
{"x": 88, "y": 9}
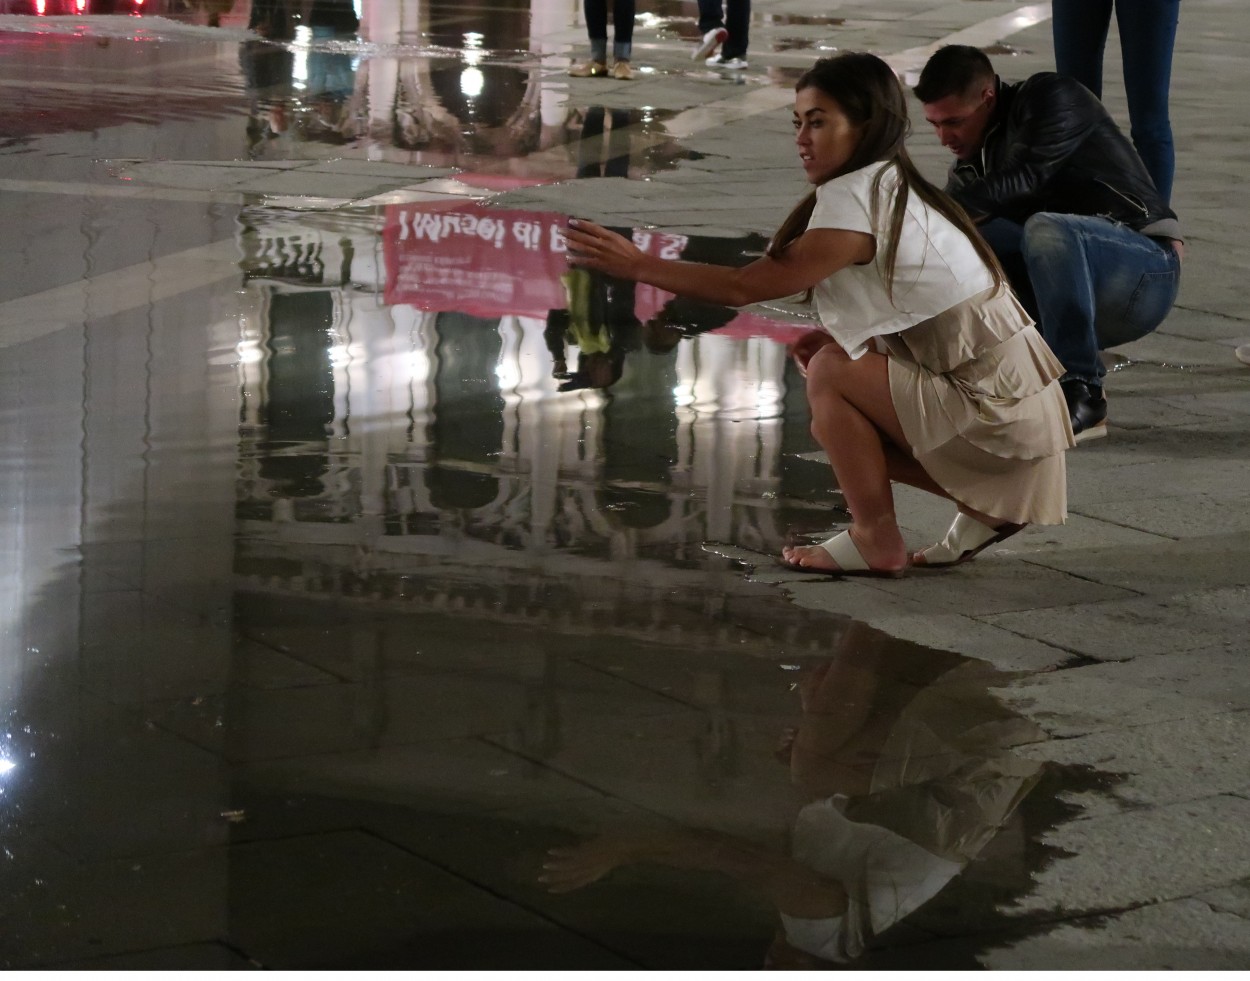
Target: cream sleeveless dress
{"x": 974, "y": 384}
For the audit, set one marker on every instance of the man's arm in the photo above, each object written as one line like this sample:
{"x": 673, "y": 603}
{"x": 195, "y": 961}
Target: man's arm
{"x": 1054, "y": 116}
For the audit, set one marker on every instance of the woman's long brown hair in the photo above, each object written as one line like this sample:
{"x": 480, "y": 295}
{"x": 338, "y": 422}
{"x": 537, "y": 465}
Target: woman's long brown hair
{"x": 868, "y": 92}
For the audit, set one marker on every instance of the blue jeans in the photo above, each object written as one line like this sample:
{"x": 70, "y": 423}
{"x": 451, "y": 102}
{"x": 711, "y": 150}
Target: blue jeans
{"x": 734, "y": 16}
{"x": 596, "y": 14}
{"x": 1090, "y": 283}
{"x": 1147, "y": 34}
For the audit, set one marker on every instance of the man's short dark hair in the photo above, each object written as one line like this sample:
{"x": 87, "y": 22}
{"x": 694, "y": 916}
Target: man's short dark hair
{"x": 956, "y": 69}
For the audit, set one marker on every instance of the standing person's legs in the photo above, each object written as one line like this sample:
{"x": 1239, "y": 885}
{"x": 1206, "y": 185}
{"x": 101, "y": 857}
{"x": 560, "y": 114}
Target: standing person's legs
{"x": 738, "y": 21}
{"x": 1147, "y": 35}
{"x": 1079, "y": 29}
{"x": 711, "y": 28}
{"x": 622, "y": 29}
{"x": 596, "y": 14}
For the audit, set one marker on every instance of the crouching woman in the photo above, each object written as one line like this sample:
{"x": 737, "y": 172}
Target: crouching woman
{"x": 928, "y": 371}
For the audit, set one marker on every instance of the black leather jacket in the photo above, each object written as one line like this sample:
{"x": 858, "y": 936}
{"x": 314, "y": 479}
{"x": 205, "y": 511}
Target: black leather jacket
{"x": 1051, "y": 146}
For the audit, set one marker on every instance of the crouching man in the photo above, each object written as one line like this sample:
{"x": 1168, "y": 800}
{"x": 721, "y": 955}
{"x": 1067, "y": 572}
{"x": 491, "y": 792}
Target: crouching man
{"x": 1061, "y": 196}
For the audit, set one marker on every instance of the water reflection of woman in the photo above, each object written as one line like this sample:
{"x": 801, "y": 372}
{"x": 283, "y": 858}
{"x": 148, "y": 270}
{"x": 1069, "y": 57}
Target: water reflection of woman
{"x": 903, "y": 760}
{"x": 927, "y": 371}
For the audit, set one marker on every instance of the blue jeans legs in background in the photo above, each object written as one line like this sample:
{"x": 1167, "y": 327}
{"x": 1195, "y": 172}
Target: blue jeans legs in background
{"x": 596, "y": 14}
{"x": 734, "y": 16}
{"x": 1097, "y": 285}
{"x": 1147, "y": 34}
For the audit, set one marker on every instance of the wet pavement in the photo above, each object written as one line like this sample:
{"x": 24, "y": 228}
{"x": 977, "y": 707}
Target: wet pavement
{"x": 381, "y": 594}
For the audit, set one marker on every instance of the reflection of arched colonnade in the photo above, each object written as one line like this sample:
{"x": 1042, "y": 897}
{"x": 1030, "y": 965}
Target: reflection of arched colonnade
{"x": 687, "y": 446}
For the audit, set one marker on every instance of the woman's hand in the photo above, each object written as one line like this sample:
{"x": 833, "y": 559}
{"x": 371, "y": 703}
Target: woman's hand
{"x": 806, "y": 346}
{"x": 592, "y": 246}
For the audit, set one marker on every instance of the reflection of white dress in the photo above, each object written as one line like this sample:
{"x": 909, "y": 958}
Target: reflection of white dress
{"x": 944, "y": 784}
{"x": 887, "y": 878}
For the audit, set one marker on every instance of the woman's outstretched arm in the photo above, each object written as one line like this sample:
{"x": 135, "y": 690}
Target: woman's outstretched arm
{"x": 815, "y": 255}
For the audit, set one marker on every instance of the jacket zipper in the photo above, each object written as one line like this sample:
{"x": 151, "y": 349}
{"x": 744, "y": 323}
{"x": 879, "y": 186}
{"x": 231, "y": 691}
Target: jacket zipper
{"x": 1131, "y": 200}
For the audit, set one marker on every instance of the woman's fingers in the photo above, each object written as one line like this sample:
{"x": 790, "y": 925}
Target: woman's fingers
{"x": 599, "y": 248}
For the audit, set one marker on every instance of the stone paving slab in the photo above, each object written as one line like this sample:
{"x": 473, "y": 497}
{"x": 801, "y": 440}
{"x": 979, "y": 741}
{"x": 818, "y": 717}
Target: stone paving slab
{"x": 1149, "y": 689}
{"x": 1122, "y": 629}
{"x": 1155, "y": 756}
{"x": 1185, "y": 935}
{"x": 1142, "y": 856}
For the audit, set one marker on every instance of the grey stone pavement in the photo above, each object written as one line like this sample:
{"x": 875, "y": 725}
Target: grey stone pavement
{"x": 1131, "y": 623}
{"x": 1122, "y": 634}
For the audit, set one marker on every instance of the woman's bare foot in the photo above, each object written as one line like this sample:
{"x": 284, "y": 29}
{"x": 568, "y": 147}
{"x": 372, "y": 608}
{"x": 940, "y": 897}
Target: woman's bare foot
{"x": 883, "y": 552}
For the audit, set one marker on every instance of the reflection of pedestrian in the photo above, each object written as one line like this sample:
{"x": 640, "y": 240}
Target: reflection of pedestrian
{"x": 590, "y": 162}
{"x": 272, "y": 19}
{"x": 596, "y": 12}
{"x": 1147, "y": 34}
{"x": 724, "y": 22}
{"x": 600, "y": 321}
{"x": 267, "y": 72}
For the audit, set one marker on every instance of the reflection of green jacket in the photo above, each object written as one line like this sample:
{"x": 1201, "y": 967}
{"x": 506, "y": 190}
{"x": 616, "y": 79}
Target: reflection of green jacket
{"x": 587, "y": 325}
{"x": 600, "y": 317}
{"x": 590, "y": 333}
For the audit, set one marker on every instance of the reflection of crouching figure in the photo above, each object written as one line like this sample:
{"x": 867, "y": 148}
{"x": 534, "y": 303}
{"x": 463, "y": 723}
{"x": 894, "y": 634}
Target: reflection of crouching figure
{"x": 600, "y": 321}
{"x": 904, "y": 760}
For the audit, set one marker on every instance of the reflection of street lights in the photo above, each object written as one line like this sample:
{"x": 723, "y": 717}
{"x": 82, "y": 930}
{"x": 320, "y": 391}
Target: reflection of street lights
{"x": 471, "y": 79}
{"x": 471, "y": 82}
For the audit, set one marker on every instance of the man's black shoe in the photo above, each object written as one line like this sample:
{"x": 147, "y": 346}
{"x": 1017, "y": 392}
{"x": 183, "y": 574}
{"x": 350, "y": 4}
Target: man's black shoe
{"x": 1087, "y": 408}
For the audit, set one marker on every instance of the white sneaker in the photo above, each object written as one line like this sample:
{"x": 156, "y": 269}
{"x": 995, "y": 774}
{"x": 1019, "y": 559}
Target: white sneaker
{"x": 720, "y": 61}
{"x": 1243, "y": 353}
{"x": 712, "y": 40}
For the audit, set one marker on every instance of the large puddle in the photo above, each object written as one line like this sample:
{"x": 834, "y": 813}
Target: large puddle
{"x": 359, "y": 610}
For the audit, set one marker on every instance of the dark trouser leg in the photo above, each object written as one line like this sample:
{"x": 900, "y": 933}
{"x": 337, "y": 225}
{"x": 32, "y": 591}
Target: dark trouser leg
{"x": 1079, "y": 28}
{"x": 1098, "y": 285}
{"x": 622, "y": 29}
{"x": 1147, "y": 34}
{"x": 1006, "y": 238}
{"x": 711, "y": 14}
{"x": 738, "y": 22}
{"x": 596, "y": 14}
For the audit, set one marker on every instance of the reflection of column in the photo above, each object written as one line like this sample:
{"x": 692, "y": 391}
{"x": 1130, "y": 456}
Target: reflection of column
{"x": 466, "y": 432}
{"x": 541, "y": 428}
{"x": 126, "y": 511}
{"x": 369, "y": 337}
{"x": 547, "y": 18}
{"x": 723, "y": 380}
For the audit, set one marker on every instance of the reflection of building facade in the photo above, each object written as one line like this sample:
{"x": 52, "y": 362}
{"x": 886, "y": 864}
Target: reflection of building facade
{"x": 409, "y": 89}
{"x": 409, "y": 423}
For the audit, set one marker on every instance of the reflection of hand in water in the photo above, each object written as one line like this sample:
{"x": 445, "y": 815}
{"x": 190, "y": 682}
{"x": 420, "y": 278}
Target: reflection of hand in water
{"x": 567, "y": 869}
{"x": 792, "y": 887}
{"x": 600, "y": 321}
